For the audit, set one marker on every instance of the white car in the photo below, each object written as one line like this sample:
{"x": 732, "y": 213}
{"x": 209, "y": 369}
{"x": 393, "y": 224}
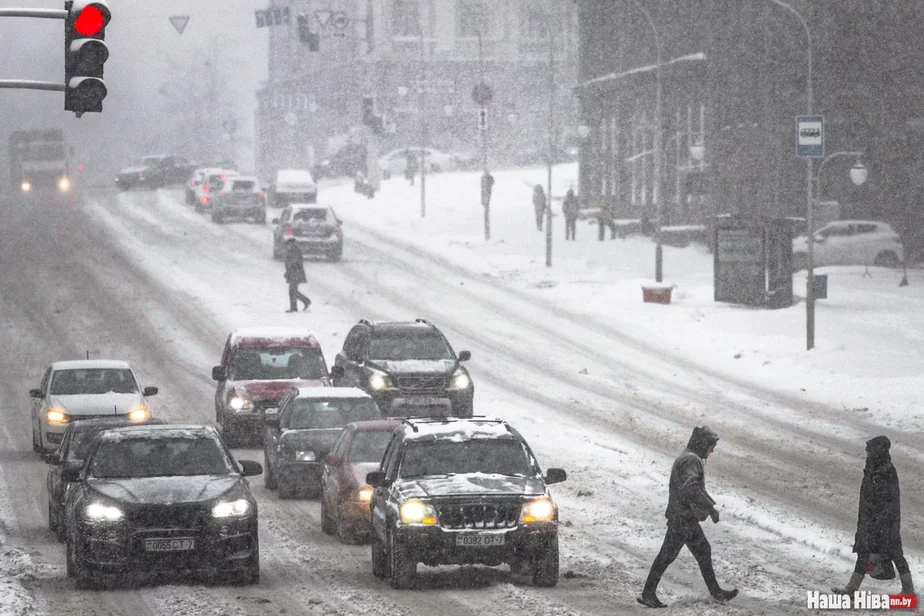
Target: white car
{"x": 293, "y": 186}
{"x": 394, "y": 163}
{"x": 209, "y": 186}
{"x": 851, "y": 242}
{"x": 239, "y": 196}
{"x": 84, "y": 389}
{"x": 196, "y": 181}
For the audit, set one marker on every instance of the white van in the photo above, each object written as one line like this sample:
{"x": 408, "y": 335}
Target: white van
{"x": 293, "y": 186}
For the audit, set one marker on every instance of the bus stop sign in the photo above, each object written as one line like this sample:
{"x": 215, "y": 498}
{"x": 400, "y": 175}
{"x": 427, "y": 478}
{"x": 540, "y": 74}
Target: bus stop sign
{"x": 482, "y": 94}
{"x": 810, "y": 136}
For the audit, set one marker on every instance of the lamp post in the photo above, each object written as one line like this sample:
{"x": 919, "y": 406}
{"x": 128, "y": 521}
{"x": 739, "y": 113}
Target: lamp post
{"x": 548, "y": 197}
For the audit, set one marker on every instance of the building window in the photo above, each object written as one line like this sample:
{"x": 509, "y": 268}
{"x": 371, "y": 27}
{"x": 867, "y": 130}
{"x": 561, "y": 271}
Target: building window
{"x": 535, "y": 21}
{"x": 405, "y": 18}
{"x": 472, "y": 18}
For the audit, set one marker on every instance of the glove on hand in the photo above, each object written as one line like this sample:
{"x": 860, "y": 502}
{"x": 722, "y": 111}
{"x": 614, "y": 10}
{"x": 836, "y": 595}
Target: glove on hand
{"x": 714, "y": 514}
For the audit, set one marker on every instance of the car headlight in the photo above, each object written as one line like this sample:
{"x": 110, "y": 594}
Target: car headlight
{"x": 240, "y": 403}
{"x": 227, "y": 509}
{"x": 305, "y": 456}
{"x": 64, "y": 184}
{"x": 101, "y": 512}
{"x": 539, "y": 510}
{"x": 460, "y": 380}
{"x": 56, "y": 416}
{"x": 139, "y": 414}
{"x": 379, "y": 381}
{"x": 418, "y": 512}
{"x": 25, "y": 187}
{"x": 364, "y": 494}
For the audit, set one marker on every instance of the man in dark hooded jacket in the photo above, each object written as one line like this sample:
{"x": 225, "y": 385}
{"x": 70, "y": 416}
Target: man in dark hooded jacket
{"x": 688, "y": 504}
{"x": 879, "y": 519}
{"x": 295, "y": 274}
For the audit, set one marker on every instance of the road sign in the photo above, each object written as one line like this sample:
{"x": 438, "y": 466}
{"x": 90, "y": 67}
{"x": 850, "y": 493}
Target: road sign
{"x": 482, "y": 94}
{"x": 179, "y": 22}
{"x": 341, "y": 20}
{"x": 483, "y": 118}
{"x": 324, "y": 17}
{"x": 810, "y": 136}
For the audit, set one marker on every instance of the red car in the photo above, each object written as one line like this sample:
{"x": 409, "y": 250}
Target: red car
{"x": 345, "y": 496}
{"x": 258, "y": 367}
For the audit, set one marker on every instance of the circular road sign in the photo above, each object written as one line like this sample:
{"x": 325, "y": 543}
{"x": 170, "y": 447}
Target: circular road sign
{"x": 482, "y": 94}
{"x": 341, "y": 20}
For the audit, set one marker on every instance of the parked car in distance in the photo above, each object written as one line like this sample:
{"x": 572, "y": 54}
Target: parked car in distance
{"x": 161, "y": 499}
{"x": 84, "y": 389}
{"x": 408, "y": 367}
{"x": 302, "y": 431}
{"x": 345, "y": 162}
{"x": 239, "y": 196}
{"x": 345, "y": 495}
{"x": 315, "y": 227}
{"x": 293, "y": 186}
{"x": 459, "y": 492}
{"x": 851, "y": 242}
{"x": 155, "y": 171}
{"x": 259, "y": 365}
{"x": 70, "y": 454}
{"x": 394, "y": 163}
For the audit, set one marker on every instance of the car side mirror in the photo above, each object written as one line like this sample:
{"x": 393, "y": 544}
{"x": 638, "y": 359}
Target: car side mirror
{"x": 149, "y": 391}
{"x": 555, "y": 475}
{"x": 465, "y": 355}
{"x": 337, "y": 372}
{"x": 249, "y": 468}
{"x": 376, "y": 478}
{"x": 275, "y": 221}
{"x": 219, "y": 374}
{"x": 51, "y": 457}
{"x": 71, "y": 473}
{"x": 35, "y": 393}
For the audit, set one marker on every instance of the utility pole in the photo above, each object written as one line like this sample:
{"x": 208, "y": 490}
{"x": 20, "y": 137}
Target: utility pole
{"x": 486, "y": 177}
{"x": 548, "y": 198}
{"x": 423, "y": 123}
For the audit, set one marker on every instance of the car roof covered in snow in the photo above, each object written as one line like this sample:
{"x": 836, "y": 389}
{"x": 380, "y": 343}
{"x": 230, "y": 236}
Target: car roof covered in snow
{"x": 297, "y": 176}
{"x": 330, "y": 393}
{"x": 457, "y": 429}
{"x": 89, "y": 364}
{"x": 273, "y": 336}
{"x": 297, "y": 207}
{"x": 165, "y": 431}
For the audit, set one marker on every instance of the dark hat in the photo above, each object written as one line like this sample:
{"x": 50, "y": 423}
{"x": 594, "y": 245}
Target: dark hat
{"x": 702, "y": 439}
{"x": 878, "y": 444}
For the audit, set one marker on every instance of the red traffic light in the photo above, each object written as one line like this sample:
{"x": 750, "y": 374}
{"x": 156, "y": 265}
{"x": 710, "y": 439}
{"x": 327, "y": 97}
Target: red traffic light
{"x": 90, "y": 21}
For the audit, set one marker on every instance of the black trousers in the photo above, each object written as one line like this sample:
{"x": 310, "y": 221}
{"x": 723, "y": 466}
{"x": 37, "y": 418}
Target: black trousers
{"x": 295, "y": 295}
{"x": 897, "y": 557}
{"x": 570, "y": 228}
{"x": 606, "y": 222}
{"x": 539, "y": 216}
{"x": 679, "y": 534}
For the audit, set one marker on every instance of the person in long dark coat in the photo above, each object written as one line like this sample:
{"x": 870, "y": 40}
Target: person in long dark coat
{"x": 295, "y": 274}
{"x": 688, "y": 504}
{"x": 879, "y": 517}
{"x": 571, "y": 209}
{"x": 539, "y": 205}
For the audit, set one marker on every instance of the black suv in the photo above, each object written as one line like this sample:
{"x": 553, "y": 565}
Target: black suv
{"x": 408, "y": 367}
{"x": 462, "y": 491}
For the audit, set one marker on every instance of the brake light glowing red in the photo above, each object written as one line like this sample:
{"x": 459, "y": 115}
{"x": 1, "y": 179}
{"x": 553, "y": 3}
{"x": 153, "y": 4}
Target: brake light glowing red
{"x": 224, "y": 194}
{"x": 263, "y": 195}
{"x": 289, "y": 232}
{"x": 205, "y": 188}
{"x": 205, "y": 200}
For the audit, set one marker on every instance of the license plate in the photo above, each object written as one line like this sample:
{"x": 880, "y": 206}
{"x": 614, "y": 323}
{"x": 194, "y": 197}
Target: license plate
{"x": 169, "y": 545}
{"x": 425, "y": 401}
{"x": 478, "y": 541}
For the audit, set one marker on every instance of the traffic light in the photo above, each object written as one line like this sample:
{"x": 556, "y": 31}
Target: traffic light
{"x": 305, "y": 35}
{"x": 84, "y": 55}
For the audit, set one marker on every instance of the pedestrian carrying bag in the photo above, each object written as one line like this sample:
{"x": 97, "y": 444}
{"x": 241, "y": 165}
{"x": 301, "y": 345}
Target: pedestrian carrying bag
{"x": 880, "y": 567}
{"x": 699, "y": 514}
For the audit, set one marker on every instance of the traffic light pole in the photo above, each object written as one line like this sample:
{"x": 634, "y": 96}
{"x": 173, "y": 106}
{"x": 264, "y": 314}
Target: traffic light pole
{"x": 38, "y": 13}
{"x": 25, "y": 84}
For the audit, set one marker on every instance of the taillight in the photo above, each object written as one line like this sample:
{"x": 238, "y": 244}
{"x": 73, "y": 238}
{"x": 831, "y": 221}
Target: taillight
{"x": 205, "y": 188}
{"x": 289, "y": 232}
{"x": 140, "y": 175}
{"x": 224, "y": 194}
{"x": 262, "y": 195}
{"x": 205, "y": 200}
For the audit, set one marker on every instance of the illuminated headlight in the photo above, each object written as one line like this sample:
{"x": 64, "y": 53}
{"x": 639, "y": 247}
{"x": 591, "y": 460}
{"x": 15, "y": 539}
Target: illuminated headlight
{"x": 539, "y": 510}
{"x": 103, "y": 513}
{"x": 25, "y": 187}
{"x": 64, "y": 184}
{"x": 379, "y": 381}
{"x": 364, "y": 494}
{"x": 55, "y": 416}
{"x": 305, "y": 456}
{"x": 233, "y": 508}
{"x": 460, "y": 380}
{"x": 240, "y": 403}
{"x": 139, "y": 414}
{"x": 417, "y": 512}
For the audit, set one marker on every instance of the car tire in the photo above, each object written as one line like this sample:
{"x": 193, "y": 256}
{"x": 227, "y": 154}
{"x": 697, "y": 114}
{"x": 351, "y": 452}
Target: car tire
{"x": 886, "y": 259}
{"x": 217, "y": 218}
{"x": 402, "y": 568}
{"x": 251, "y": 573}
{"x": 545, "y": 565}
{"x": 36, "y": 441}
{"x": 85, "y": 575}
{"x": 379, "y": 557}
{"x": 269, "y": 477}
{"x": 328, "y": 525}
{"x": 54, "y": 524}
{"x": 336, "y": 256}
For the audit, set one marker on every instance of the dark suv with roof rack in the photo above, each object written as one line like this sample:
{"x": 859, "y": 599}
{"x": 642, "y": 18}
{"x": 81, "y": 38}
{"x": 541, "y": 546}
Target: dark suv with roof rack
{"x": 408, "y": 367}
{"x": 462, "y": 491}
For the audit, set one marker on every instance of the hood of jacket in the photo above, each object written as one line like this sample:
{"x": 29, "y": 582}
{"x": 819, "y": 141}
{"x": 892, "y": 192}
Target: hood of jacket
{"x": 702, "y": 439}
{"x": 877, "y": 453}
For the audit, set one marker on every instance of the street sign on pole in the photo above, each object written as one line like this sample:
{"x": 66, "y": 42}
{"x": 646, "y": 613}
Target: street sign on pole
{"x": 483, "y": 119}
{"x": 482, "y": 94}
{"x": 810, "y": 136}
{"x": 179, "y": 22}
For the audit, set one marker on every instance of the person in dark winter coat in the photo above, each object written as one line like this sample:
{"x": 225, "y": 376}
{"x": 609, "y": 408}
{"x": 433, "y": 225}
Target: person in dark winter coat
{"x": 295, "y": 274}
{"x": 539, "y": 205}
{"x": 879, "y": 517}
{"x": 688, "y": 504}
{"x": 410, "y": 169}
{"x": 570, "y": 208}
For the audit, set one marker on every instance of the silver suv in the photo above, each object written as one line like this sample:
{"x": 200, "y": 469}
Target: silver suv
{"x": 239, "y": 197}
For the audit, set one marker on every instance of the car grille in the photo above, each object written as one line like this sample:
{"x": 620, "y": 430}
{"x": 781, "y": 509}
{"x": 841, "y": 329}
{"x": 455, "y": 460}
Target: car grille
{"x": 172, "y": 516}
{"x": 421, "y": 382}
{"x": 478, "y": 515}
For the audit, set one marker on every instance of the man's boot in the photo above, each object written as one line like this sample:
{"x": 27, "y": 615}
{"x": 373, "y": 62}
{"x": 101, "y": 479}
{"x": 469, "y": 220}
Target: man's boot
{"x": 907, "y": 584}
{"x": 649, "y": 596}
{"x": 718, "y": 593}
{"x": 853, "y": 585}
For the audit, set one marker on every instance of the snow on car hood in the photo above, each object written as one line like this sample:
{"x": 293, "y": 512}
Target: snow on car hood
{"x": 415, "y": 366}
{"x": 109, "y": 403}
{"x": 165, "y": 490}
{"x": 275, "y": 390}
{"x": 318, "y": 441}
{"x": 474, "y": 483}
{"x": 127, "y": 170}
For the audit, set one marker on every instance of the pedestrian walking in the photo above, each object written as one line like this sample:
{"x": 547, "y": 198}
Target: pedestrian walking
{"x": 570, "y": 208}
{"x": 606, "y": 218}
{"x": 879, "y": 519}
{"x": 295, "y": 274}
{"x": 539, "y": 205}
{"x": 688, "y": 504}
{"x": 410, "y": 168}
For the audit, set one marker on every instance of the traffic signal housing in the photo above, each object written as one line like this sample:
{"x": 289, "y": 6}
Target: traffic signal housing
{"x": 84, "y": 55}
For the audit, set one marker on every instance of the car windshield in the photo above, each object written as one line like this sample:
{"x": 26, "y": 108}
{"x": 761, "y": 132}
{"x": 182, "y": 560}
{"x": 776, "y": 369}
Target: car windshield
{"x": 368, "y": 446}
{"x": 93, "y": 381}
{"x": 80, "y": 443}
{"x": 318, "y": 215}
{"x": 277, "y": 363}
{"x": 447, "y": 457}
{"x": 159, "y": 457}
{"x": 334, "y": 413}
{"x": 243, "y": 185}
{"x": 406, "y": 346}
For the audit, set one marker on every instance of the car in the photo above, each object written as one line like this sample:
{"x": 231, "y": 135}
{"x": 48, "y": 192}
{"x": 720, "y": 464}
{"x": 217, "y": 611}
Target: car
{"x": 345, "y": 495}
{"x": 394, "y": 163}
{"x": 83, "y": 389}
{"x": 155, "y": 171}
{"x": 293, "y": 186}
{"x": 316, "y": 229}
{"x": 207, "y": 188}
{"x": 851, "y": 242}
{"x": 239, "y": 196}
{"x": 408, "y": 367}
{"x": 258, "y": 367}
{"x": 161, "y": 499}
{"x": 71, "y": 453}
{"x": 197, "y": 185}
{"x": 302, "y": 431}
{"x": 458, "y": 491}
{"x": 345, "y": 162}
